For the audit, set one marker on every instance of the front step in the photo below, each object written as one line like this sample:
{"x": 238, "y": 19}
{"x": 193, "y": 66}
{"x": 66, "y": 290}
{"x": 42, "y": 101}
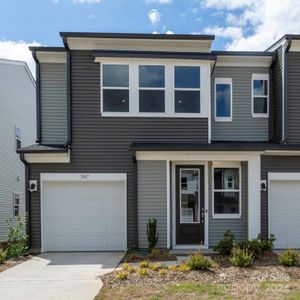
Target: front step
{"x": 186, "y": 252}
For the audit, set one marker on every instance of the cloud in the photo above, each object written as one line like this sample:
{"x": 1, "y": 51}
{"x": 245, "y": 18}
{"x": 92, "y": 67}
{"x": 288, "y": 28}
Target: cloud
{"x": 158, "y": 1}
{"x": 18, "y": 51}
{"x": 86, "y": 1}
{"x": 169, "y": 32}
{"x": 261, "y": 22}
{"x": 154, "y": 17}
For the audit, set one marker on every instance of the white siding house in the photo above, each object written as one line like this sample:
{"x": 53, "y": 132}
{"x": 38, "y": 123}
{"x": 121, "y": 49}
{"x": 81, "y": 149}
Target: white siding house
{"x": 17, "y": 120}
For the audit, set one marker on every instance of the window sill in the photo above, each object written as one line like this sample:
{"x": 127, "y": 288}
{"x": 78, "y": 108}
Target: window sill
{"x": 260, "y": 115}
{"x": 153, "y": 115}
{"x": 220, "y": 119}
{"x": 226, "y": 216}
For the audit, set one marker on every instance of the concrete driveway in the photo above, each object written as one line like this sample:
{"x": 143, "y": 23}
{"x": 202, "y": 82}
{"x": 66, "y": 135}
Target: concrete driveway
{"x": 58, "y": 276}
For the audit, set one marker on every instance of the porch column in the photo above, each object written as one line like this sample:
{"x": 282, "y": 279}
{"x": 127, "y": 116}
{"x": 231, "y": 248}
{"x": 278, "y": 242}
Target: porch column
{"x": 254, "y": 197}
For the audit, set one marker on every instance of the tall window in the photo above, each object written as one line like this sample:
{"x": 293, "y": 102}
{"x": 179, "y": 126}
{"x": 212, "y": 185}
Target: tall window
{"x": 226, "y": 192}
{"x": 152, "y": 88}
{"x": 260, "y": 95}
{"x": 115, "y": 88}
{"x": 187, "y": 89}
{"x": 223, "y": 99}
{"x": 16, "y": 205}
{"x": 18, "y": 138}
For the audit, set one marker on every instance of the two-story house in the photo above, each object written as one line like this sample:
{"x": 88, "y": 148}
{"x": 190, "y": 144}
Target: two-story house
{"x": 17, "y": 129}
{"x": 140, "y": 126}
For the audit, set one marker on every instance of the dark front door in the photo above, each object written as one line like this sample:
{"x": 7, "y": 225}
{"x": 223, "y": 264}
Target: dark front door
{"x": 189, "y": 205}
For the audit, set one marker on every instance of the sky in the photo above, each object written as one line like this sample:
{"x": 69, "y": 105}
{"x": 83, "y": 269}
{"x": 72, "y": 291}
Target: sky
{"x": 237, "y": 24}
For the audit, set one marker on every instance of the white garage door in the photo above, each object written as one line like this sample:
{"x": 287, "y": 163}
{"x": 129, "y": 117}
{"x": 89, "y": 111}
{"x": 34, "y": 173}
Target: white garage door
{"x": 284, "y": 210}
{"x": 83, "y": 216}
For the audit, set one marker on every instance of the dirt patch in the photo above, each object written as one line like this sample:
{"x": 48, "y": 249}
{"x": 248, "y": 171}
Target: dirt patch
{"x": 13, "y": 262}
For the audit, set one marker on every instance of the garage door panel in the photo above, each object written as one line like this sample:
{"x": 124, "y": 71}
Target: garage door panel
{"x": 84, "y": 216}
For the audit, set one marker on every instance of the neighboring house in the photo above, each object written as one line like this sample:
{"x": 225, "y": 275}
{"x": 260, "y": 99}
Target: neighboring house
{"x": 17, "y": 129}
{"x": 136, "y": 126}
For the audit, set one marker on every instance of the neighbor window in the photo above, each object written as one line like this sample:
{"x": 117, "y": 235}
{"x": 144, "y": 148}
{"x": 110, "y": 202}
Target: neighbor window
{"x": 260, "y": 95}
{"x": 223, "y": 99}
{"x": 115, "y": 88}
{"x": 16, "y": 211}
{"x": 187, "y": 89}
{"x": 226, "y": 192}
{"x": 18, "y": 138}
{"x": 152, "y": 88}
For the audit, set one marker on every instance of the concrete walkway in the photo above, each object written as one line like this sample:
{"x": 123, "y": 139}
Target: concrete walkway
{"x": 58, "y": 276}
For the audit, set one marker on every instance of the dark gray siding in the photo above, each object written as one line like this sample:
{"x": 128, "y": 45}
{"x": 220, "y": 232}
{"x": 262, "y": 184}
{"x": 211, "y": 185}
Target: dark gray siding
{"x": 53, "y": 81}
{"x": 101, "y": 144}
{"x": 243, "y": 126}
{"x": 274, "y": 164}
{"x": 277, "y": 74}
{"x": 152, "y": 200}
{"x": 293, "y": 98}
{"x": 239, "y": 227}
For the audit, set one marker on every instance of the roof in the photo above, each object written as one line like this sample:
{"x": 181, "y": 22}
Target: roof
{"x": 47, "y": 49}
{"x": 285, "y": 37}
{"x": 36, "y": 148}
{"x": 242, "y": 53}
{"x": 151, "y": 36}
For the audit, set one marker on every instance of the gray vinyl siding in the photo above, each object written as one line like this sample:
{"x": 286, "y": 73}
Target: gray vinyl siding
{"x": 53, "y": 85}
{"x": 17, "y": 108}
{"x": 152, "y": 200}
{"x": 101, "y": 144}
{"x": 239, "y": 227}
{"x": 277, "y": 96}
{"x": 243, "y": 126}
{"x": 293, "y": 113}
{"x": 274, "y": 164}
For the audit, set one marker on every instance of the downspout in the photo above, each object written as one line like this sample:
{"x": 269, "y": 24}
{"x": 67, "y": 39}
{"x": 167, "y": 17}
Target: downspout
{"x": 285, "y": 95}
{"x": 27, "y": 199}
{"x": 271, "y": 98}
{"x": 38, "y": 97}
{"x": 135, "y": 178}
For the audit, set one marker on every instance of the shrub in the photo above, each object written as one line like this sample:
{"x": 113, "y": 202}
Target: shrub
{"x": 17, "y": 238}
{"x": 125, "y": 266}
{"x": 144, "y": 264}
{"x": 3, "y": 254}
{"x": 122, "y": 275}
{"x": 155, "y": 267}
{"x": 172, "y": 267}
{"x": 268, "y": 244}
{"x": 226, "y": 245}
{"x": 131, "y": 269}
{"x": 143, "y": 272}
{"x": 183, "y": 267}
{"x": 197, "y": 261}
{"x": 162, "y": 272}
{"x": 152, "y": 233}
{"x": 289, "y": 258}
{"x": 242, "y": 258}
{"x": 163, "y": 266}
{"x": 155, "y": 252}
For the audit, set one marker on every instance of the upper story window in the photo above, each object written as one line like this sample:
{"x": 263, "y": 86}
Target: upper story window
{"x": 115, "y": 88}
{"x": 152, "y": 88}
{"x": 223, "y": 99}
{"x": 187, "y": 89}
{"x": 260, "y": 95}
{"x": 18, "y": 138}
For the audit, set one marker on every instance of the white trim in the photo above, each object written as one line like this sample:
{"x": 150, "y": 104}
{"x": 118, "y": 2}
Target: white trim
{"x": 254, "y": 193}
{"x": 227, "y": 165}
{"x": 260, "y": 77}
{"x": 222, "y": 81}
{"x": 243, "y": 61}
{"x": 168, "y": 204}
{"x": 36, "y": 158}
{"x": 284, "y": 46}
{"x": 81, "y": 177}
{"x": 283, "y": 176}
{"x": 51, "y": 57}
{"x": 282, "y": 152}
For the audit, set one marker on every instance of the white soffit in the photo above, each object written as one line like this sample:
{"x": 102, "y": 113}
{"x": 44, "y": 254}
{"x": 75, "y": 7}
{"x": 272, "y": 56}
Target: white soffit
{"x": 243, "y": 61}
{"x": 51, "y": 57}
{"x": 295, "y": 47}
{"x": 47, "y": 157}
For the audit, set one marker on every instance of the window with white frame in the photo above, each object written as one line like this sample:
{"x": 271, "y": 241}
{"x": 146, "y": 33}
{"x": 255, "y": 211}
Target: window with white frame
{"x": 223, "y": 99}
{"x": 226, "y": 192}
{"x": 152, "y": 88}
{"x": 16, "y": 202}
{"x": 260, "y": 95}
{"x": 18, "y": 137}
{"x": 115, "y": 88}
{"x": 187, "y": 89}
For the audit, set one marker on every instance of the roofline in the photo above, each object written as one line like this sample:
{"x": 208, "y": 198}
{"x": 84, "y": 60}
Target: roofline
{"x": 150, "y": 36}
{"x": 47, "y": 49}
{"x": 285, "y": 37}
{"x": 242, "y": 53}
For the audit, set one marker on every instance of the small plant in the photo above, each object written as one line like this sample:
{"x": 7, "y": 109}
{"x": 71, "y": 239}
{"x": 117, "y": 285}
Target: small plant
{"x": 152, "y": 233}
{"x": 143, "y": 272}
{"x": 183, "y": 268}
{"x": 144, "y": 264}
{"x": 163, "y": 266}
{"x": 226, "y": 245}
{"x": 155, "y": 252}
{"x": 242, "y": 258}
{"x": 253, "y": 246}
{"x": 3, "y": 255}
{"x": 17, "y": 238}
{"x": 131, "y": 269}
{"x": 155, "y": 267}
{"x": 268, "y": 244}
{"x": 162, "y": 272}
{"x": 122, "y": 275}
{"x": 172, "y": 267}
{"x": 197, "y": 261}
{"x": 289, "y": 258}
{"x": 125, "y": 266}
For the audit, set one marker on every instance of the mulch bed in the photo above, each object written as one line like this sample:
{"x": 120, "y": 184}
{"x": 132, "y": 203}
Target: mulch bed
{"x": 138, "y": 256}
{"x": 9, "y": 263}
{"x": 264, "y": 268}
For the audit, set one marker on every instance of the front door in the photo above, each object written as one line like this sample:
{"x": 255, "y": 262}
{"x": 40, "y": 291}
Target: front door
{"x": 189, "y": 205}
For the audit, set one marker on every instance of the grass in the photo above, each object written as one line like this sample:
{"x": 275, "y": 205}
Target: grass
{"x": 275, "y": 290}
